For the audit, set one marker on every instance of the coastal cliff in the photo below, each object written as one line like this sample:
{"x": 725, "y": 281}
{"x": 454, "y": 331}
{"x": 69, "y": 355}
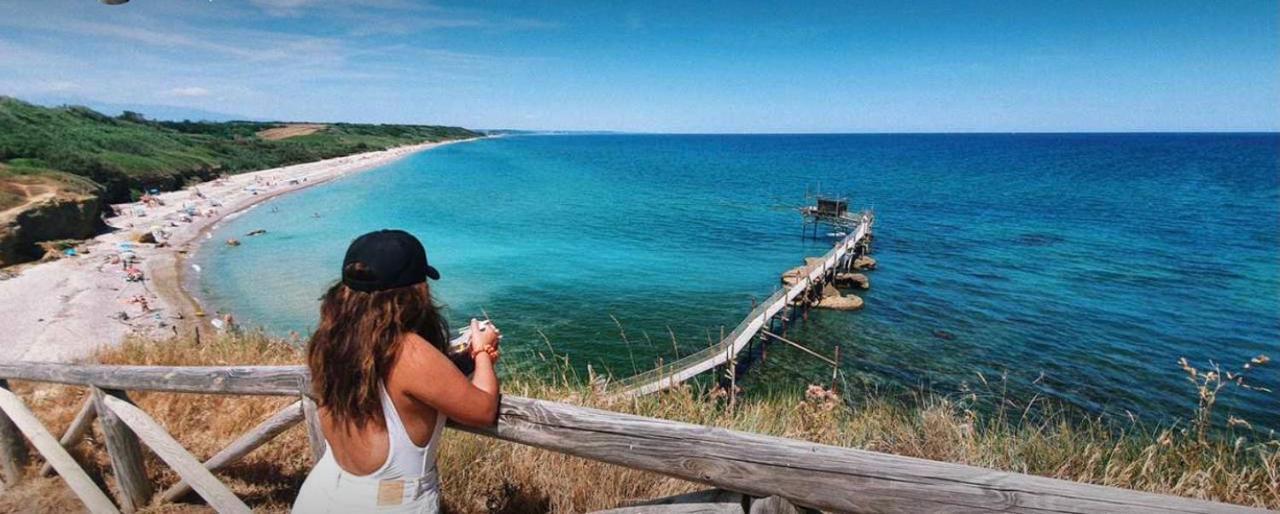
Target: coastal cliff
{"x": 62, "y": 217}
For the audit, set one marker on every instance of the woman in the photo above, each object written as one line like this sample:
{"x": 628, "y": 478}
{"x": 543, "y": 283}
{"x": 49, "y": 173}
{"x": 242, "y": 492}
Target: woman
{"x": 384, "y": 385}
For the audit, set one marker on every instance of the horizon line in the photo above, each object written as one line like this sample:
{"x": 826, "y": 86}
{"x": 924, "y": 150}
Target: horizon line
{"x": 875, "y": 133}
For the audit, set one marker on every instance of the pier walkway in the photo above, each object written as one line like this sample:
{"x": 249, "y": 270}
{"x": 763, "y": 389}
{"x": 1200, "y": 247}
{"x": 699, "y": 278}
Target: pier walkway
{"x": 675, "y": 372}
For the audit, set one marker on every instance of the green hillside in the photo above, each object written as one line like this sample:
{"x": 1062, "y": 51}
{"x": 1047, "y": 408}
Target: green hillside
{"x": 129, "y": 154}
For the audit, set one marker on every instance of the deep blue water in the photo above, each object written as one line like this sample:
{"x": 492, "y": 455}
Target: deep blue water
{"x": 1081, "y": 265}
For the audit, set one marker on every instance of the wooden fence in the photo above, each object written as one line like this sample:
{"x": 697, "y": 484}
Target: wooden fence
{"x": 809, "y": 475}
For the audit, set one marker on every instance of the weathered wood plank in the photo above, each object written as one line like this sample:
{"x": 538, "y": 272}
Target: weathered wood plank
{"x": 172, "y": 453}
{"x": 125, "y": 453}
{"x": 772, "y": 505}
{"x": 314, "y": 434}
{"x": 240, "y": 380}
{"x": 808, "y": 474}
{"x": 13, "y": 451}
{"x": 710, "y": 501}
{"x": 75, "y": 477}
{"x": 245, "y": 444}
{"x": 76, "y": 430}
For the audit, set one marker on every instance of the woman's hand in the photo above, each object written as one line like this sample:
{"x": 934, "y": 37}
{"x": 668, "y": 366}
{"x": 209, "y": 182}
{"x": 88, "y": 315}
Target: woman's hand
{"x": 484, "y": 339}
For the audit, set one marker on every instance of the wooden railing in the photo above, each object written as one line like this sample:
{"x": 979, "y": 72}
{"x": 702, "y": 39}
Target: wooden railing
{"x": 807, "y": 474}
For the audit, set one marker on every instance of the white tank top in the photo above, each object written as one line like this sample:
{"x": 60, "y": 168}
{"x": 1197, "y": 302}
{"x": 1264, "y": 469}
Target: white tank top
{"x": 406, "y": 460}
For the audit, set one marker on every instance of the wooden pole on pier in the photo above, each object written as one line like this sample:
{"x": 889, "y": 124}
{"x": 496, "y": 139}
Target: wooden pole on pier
{"x": 835, "y": 368}
{"x": 820, "y": 356}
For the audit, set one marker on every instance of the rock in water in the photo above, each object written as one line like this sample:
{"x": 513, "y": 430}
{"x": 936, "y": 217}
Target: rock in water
{"x": 864, "y": 262}
{"x": 847, "y": 302}
{"x": 857, "y": 280}
{"x": 829, "y": 290}
{"x": 794, "y": 275}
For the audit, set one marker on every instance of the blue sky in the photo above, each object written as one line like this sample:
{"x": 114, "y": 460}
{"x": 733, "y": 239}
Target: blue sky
{"x": 666, "y": 67}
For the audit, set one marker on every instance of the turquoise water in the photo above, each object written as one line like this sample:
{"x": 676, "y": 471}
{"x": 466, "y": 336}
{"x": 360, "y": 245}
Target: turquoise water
{"x": 1080, "y": 266}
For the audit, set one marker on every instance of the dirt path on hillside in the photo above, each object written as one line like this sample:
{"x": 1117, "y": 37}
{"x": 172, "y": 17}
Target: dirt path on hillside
{"x": 291, "y": 130}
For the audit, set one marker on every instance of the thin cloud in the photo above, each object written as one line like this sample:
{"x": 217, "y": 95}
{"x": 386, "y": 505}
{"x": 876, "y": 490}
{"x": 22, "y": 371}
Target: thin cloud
{"x": 189, "y": 92}
{"x": 62, "y": 86}
{"x": 153, "y": 37}
{"x": 297, "y": 8}
{"x": 372, "y": 24}
{"x": 518, "y": 24}
{"x": 281, "y": 7}
{"x": 213, "y": 60}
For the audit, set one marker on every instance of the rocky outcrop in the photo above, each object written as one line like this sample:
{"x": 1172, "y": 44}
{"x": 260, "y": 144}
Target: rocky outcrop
{"x": 831, "y": 297}
{"x": 834, "y": 300}
{"x": 793, "y": 276}
{"x": 853, "y": 280}
{"x": 63, "y": 217}
{"x": 839, "y": 302}
{"x": 864, "y": 262}
{"x": 829, "y": 290}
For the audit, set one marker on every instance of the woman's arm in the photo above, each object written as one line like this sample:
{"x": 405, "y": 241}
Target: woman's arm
{"x": 434, "y": 380}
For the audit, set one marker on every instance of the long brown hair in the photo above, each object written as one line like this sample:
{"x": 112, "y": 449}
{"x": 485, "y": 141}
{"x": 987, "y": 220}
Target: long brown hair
{"x": 358, "y": 340}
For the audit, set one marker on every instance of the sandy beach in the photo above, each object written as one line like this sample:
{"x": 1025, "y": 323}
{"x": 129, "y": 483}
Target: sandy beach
{"x": 64, "y": 309}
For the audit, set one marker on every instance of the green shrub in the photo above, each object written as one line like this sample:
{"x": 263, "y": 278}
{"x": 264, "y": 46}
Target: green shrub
{"x": 129, "y": 152}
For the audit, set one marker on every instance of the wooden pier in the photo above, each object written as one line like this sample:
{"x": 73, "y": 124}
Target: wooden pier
{"x": 819, "y": 274}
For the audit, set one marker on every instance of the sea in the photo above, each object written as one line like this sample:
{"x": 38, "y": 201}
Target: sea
{"x": 1076, "y": 269}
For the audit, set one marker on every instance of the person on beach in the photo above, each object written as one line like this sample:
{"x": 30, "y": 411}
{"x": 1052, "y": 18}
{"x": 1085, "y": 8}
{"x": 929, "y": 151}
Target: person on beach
{"x": 384, "y": 384}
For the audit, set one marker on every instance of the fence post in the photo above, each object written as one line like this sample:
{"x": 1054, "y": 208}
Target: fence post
{"x": 774, "y": 505}
{"x": 13, "y": 449}
{"x": 78, "y": 428}
{"x": 314, "y": 435}
{"x": 125, "y": 452}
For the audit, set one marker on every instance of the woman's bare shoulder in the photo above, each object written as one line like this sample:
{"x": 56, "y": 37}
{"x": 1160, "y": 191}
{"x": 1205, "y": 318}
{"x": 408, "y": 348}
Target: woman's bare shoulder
{"x": 424, "y": 373}
{"x": 417, "y": 351}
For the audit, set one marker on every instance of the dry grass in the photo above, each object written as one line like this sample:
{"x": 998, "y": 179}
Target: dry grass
{"x": 203, "y": 423}
{"x": 484, "y": 475}
{"x": 290, "y": 130}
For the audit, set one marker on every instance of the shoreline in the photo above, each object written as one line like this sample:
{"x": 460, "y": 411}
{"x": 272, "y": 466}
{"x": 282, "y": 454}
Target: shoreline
{"x": 64, "y": 310}
{"x": 182, "y": 286}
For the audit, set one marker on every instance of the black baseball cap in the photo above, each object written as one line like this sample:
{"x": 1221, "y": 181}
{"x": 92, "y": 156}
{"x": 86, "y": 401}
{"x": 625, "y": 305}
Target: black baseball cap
{"x": 390, "y": 259}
